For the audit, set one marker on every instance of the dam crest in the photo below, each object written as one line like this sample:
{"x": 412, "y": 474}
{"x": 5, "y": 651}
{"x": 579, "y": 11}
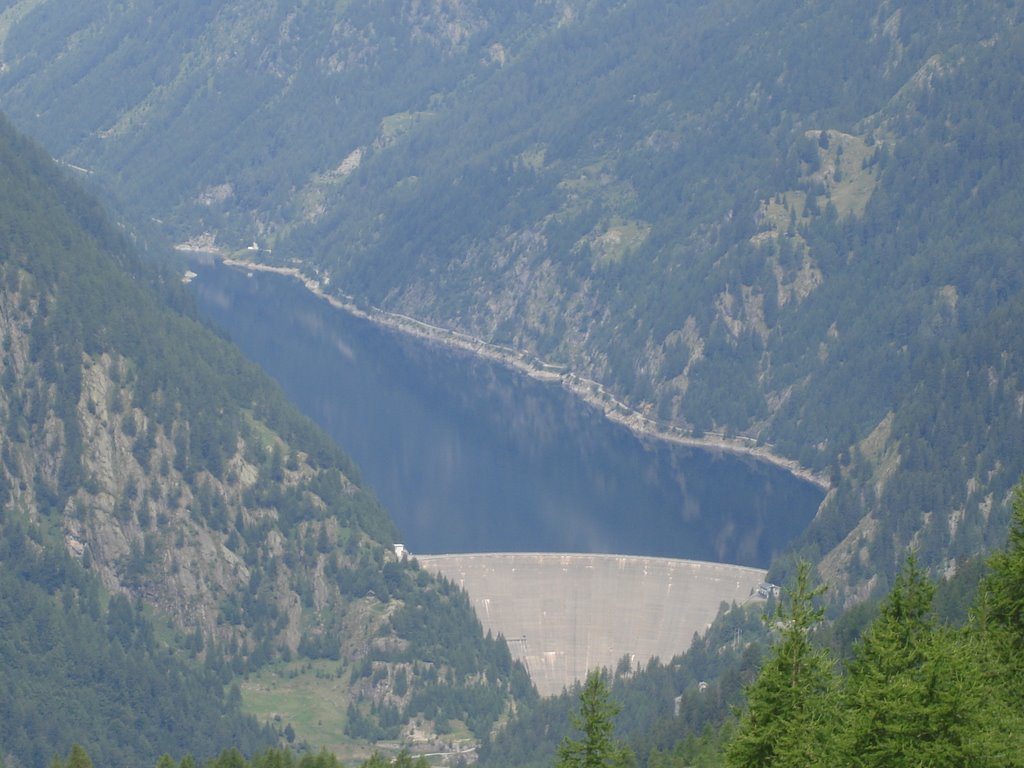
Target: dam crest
{"x": 565, "y": 614}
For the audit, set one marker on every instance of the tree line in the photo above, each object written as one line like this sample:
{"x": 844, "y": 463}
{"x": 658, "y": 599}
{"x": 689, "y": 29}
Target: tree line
{"x": 915, "y": 692}
{"x": 272, "y": 757}
{"x": 930, "y": 674}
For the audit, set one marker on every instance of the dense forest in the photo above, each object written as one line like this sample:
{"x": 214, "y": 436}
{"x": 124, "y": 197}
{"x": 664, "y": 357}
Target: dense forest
{"x": 171, "y": 525}
{"x": 76, "y": 670}
{"x": 232, "y": 757}
{"x": 914, "y": 692}
{"x": 790, "y": 224}
{"x": 928, "y": 674}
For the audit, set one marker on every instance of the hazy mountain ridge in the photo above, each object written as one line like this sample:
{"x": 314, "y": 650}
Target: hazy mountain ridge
{"x": 239, "y": 69}
{"x": 777, "y": 219}
{"x": 174, "y": 471}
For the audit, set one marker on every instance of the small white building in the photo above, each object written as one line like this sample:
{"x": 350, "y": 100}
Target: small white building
{"x": 766, "y": 589}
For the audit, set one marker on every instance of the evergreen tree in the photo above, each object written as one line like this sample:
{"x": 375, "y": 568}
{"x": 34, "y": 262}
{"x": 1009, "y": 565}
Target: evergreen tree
{"x": 791, "y": 706}
{"x": 376, "y": 760}
{"x": 995, "y": 639}
{"x": 78, "y": 758}
{"x": 909, "y": 698}
{"x": 885, "y": 708}
{"x": 598, "y": 747}
{"x": 1000, "y": 612}
{"x": 975, "y": 721}
{"x": 920, "y": 694}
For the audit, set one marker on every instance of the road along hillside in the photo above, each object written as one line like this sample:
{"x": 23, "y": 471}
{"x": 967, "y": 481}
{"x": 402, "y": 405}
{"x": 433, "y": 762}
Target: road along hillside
{"x": 564, "y": 614}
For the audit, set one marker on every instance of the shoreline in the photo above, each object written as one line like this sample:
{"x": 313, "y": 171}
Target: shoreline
{"x": 591, "y": 392}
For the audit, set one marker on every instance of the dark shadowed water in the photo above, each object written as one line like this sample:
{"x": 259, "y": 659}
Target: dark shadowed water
{"x": 469, "y": 456}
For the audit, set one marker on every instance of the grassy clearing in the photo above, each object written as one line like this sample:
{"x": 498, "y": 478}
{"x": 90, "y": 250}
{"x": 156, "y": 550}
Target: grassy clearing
{"x": 776, "y": 211}
{"x": 619, "y": 238}
{"x": 393, "y": 126}
{"x": 844, "y": 171}
{"x": 310, "y": 696}
{"x": 265, "y": 435}
{"x": 851, "y": 193}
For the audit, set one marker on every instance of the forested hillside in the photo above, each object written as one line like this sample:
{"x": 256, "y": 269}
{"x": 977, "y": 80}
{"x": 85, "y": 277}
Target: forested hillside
{"x": 787, "y": 222}
{"x": 927, "y": 674}
{"x": 170, "y": 523}
{"x": 74, "y": 670}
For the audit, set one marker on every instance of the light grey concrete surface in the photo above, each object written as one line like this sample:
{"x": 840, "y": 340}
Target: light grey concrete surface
{"x": 564, "y": 614}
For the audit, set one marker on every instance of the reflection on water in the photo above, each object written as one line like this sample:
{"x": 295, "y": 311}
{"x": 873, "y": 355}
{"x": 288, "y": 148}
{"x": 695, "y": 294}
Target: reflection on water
{"x": 469, "y": 456}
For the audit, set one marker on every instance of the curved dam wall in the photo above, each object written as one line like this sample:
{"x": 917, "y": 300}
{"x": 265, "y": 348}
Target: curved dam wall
{"x": 563, "y": 615}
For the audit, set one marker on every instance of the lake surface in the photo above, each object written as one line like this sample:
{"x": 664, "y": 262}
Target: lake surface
{"x": 470, "y": 456}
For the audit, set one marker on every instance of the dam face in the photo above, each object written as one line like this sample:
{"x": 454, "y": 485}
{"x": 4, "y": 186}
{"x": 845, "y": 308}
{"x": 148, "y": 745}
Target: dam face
{"x": 563, "y": 615}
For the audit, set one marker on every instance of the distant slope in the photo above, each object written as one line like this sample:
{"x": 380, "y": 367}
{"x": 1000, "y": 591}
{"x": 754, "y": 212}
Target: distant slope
{"x": 147, "y": 448}
{"x": 790, "y": 221}
{"x": 76, "y": 665}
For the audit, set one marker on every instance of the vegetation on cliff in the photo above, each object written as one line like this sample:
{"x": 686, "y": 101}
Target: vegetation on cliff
{"x": 797, "y": 223}
{"x": 183, "y": 484}
{"x": 791, "y": 222}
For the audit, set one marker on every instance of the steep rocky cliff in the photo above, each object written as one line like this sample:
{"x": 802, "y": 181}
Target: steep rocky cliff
{"x": 148, "y": 449}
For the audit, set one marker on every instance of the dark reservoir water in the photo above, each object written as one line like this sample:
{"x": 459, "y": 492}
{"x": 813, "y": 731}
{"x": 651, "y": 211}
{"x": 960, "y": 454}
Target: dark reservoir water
{"x": 469, "y": 456}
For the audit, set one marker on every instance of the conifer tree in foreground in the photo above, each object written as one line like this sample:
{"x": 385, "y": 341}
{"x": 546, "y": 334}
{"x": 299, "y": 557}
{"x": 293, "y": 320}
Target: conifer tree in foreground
{"x": 996, "y": 637}
{"x": 914, "y": 694}
{"x": 791, "y": 707}
{"x": 999, "y": 615}
{"x": 598, "y": 747}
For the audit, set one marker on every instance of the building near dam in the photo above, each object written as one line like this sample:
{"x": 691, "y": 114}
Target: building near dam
{"x": 564, "y": 614}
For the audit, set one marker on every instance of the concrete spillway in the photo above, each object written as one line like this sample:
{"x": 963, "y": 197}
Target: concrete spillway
{"x": 563, "y": 615}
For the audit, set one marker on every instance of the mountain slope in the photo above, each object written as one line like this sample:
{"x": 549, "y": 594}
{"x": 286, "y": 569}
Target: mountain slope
{"x": 76, "y": 664}
{"x": 787, "y": 221}
{"x": 175, "y": 472}
{"x": 74, "y": 671}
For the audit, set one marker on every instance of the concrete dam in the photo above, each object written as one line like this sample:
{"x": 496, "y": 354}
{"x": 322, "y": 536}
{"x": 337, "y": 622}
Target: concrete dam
{"x": 564, "y": 614}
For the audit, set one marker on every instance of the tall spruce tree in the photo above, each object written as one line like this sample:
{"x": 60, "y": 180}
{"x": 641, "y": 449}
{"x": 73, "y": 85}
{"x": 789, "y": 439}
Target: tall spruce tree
{"x": 885, "y": 712}
{"x": 995, "y": 638}
{"x": 1000, "y": 612}
{"x": 78, "y": 757}
{"x": 914, "y": 695}
{"x": 922, "y": 694}
{"x": 598, "y": 747}
{"x": 791, "y": 707}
